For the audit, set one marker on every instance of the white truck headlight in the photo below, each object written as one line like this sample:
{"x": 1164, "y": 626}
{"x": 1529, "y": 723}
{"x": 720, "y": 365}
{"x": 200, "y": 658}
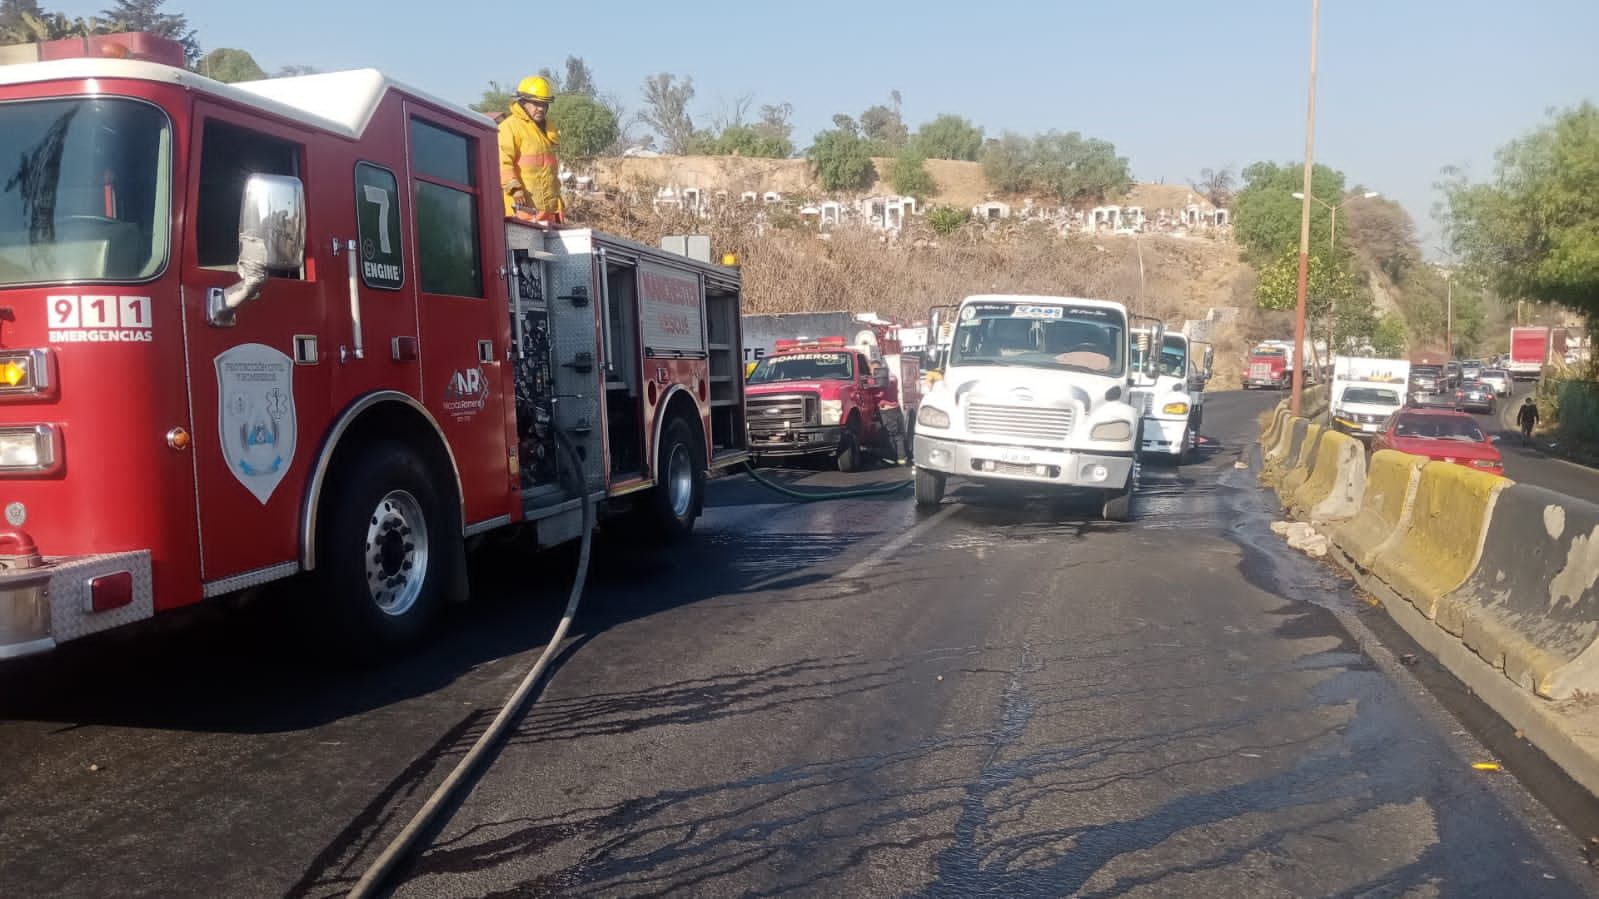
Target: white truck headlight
{"x": 832, "y": 412}
{"x": 929, "y": 417}
{"x": 1174, "y": 409}
{"x": 27, "y": 449}
{"x": 1112, "y": 430}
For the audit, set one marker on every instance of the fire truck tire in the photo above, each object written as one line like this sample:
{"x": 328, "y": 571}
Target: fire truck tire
{"x": 929, "y": 487}
{"x": 387, "y": 551}
{"x": 849, "y": 448}
{"x": 669, "y": 509}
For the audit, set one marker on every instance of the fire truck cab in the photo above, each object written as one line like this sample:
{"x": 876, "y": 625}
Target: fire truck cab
{"x": 258, "y": 331}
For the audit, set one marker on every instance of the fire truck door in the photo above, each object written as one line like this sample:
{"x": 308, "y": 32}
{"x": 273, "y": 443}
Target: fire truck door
{"x": 462, "y": 303}
{"x": 254, "y": 392}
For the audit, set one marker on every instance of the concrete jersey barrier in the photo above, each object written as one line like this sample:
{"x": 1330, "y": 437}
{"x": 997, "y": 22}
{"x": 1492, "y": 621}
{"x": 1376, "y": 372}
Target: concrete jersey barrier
{"x": 1531, "y": 606}
{"x": 1385, "y": 506}
{"x": 1303, "y": 461}
{"x": 1337, "y": 479}
{"x": 1437, "y": 549}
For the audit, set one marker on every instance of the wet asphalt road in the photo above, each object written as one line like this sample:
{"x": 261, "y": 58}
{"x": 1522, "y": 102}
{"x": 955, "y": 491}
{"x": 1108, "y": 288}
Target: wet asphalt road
{"x": 1000, "y": 697}
{"x": 1531, "y": 466}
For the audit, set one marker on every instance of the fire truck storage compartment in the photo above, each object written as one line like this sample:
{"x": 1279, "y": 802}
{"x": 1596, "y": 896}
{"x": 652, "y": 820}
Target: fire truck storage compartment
{"x": 727, "y": 371}
{"x": 624, "y": 413}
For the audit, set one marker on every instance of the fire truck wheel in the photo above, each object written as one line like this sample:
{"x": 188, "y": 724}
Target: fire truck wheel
{"x": 929, "y": 487}
{"x": 670, "y": 508}
{"x": 386, "y": 549}
{"x": 849, "y": 448}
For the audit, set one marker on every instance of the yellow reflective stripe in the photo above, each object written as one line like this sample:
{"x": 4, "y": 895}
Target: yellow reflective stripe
{"x": 530, "y": 160}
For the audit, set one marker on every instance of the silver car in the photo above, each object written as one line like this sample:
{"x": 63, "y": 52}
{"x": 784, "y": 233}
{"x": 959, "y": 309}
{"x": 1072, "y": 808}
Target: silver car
{"x": 1498, "y": 379}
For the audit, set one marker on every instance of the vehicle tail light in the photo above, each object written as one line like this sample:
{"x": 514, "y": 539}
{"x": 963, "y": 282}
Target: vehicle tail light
{"x": 30, "y": 449}
{"x": 111, "y": 591}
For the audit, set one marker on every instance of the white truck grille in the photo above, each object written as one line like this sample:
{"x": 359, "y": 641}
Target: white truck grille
{"x": 1019, "y": 421}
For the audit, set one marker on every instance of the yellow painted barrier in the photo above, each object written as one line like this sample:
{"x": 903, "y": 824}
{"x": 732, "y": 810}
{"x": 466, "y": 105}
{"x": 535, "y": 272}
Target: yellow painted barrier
{"x": 1297, "y": 470}
{"x": 1333, "y": 489}
{"x": 1385, "y": 505}
{"x": 1437, "y": 548}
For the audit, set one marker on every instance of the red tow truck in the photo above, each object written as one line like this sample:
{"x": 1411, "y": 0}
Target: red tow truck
{"x": 820, "y": 398}
{"x": 279, "y": 330}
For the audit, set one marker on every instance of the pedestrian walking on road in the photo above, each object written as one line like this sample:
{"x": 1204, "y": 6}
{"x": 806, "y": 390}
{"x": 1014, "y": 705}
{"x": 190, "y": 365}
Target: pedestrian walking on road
{"x": 530, "y": 173}
{"x": 1527, "y": 418}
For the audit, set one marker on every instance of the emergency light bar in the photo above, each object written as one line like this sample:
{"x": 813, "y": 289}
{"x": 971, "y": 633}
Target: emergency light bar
{"x": 811, "y": 343}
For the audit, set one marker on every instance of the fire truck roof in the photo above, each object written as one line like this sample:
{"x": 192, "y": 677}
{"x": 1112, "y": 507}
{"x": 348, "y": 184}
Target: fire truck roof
{"x": 339, "y": 102}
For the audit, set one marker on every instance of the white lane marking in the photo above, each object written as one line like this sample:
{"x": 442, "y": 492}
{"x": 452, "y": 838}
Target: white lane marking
{"x": 893, "y": 546}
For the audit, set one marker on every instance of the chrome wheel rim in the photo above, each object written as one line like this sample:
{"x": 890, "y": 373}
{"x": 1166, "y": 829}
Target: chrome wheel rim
{"x": 396, "y": 553}
{"x": 680, "y": 480}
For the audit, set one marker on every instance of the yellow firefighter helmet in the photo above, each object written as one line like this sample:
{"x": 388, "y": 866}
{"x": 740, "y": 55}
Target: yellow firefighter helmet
{"x": 536, "y": 89}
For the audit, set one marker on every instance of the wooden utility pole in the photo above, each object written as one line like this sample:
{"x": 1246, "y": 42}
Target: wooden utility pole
{"x": 1304, "y": 222}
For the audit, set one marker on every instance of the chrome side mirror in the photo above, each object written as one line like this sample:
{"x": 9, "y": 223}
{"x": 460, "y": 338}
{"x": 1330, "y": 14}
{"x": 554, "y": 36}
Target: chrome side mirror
{"x": 271, "y": 238}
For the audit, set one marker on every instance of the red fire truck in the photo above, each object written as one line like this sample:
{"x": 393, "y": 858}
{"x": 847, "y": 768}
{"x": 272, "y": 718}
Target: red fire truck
{"x": 280, "y": 329}
{"x": 819, "y": 398}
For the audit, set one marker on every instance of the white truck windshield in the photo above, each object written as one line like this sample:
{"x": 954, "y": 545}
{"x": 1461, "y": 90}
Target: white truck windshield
{"x": 84, "y": 190}
{"x": 1043, "y": 335}
{"x": 1376, "y": 396}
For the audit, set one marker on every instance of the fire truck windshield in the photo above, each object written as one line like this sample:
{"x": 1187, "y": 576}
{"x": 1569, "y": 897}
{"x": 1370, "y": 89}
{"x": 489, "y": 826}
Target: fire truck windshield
{"x": 84, "y": 190}
{"x": 804, "y": 367}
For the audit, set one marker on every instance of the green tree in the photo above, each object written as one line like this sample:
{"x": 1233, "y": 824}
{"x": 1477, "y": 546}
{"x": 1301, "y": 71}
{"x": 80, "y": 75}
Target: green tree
{"x": 579, "y": 79}
{"x": 1385, "y": 231}
{"x": 146, "y": 15}
{"x": 841, "y": 157}
{"x": 946, "y": 220}
{"x": 1388, "y": 337}
{"x": 666, "y": 100}
{"x": 1266, "y": 216}
{"x": 1533, "y": 231}
{"x": 1008, "y": 162}
{"x": 949, "y": 137}
{"x": 1075, "y": 168}
{"x": 228, "y": 65}
{"x": 885, "y": 128}
{"x": 1327, "y": 282}
{"x": 587, "y": 127}
{"x": 496, "y": 99}
{"x": 23, "y": 23}
{"x": 910, "y": 178}
{"x": 750, "y": 140}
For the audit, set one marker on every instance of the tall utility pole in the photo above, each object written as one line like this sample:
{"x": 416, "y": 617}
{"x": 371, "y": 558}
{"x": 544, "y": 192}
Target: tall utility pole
{"x": 1304, "y": 221}
{"x": 1449, "y": 315}
{"x": 1332, "y": 250}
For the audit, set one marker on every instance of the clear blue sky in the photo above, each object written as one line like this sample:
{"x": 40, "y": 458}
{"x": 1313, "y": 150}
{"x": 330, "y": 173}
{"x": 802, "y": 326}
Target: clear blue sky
{"x": 1406, "y": 86}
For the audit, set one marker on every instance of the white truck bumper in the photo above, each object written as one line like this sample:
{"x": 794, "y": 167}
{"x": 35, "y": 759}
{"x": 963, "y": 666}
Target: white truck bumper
{"x": 41, "y": 607}
{"x": 1064, "y": 468}
{"x": 1164, "y": 435}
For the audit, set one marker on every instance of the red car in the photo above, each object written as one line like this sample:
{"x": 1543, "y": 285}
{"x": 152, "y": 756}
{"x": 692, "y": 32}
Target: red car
{"x": 1442, "y": 435}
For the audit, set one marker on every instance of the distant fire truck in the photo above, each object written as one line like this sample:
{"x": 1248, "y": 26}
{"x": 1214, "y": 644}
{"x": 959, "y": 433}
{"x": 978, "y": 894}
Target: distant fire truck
{"x": 259, "y": 331}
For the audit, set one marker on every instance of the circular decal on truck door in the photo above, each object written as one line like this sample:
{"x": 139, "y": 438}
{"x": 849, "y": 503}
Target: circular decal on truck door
{"x": 256, "y": 424}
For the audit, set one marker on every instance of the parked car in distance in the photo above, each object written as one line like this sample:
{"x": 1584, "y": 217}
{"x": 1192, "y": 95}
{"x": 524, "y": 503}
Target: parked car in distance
{"x": 1474, "y": 396}
{"x": 1426, "y": 379}
{"x": 1498, "y": 379}
{"x": 1471, "y": 369}
{"x": 1442, "y": 435}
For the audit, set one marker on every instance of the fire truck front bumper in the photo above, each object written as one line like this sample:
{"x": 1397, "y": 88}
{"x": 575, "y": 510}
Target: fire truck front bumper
{"x": 1063, "y": 468}
{"x": 796, "y": 441}
{"x": 71, "y": 597}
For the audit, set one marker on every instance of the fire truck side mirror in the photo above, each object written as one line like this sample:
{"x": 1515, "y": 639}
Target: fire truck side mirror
{"x": 271, "y": 238}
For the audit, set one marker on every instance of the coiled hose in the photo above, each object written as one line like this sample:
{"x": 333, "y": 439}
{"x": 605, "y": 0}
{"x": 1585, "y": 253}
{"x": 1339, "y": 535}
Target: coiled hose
{"x": 403, "y": 845}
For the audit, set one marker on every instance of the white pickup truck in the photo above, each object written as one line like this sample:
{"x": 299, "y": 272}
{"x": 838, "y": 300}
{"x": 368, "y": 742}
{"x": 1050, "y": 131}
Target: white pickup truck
{"x": 1365, "y": 392}
{"x": 1031, "y": 389}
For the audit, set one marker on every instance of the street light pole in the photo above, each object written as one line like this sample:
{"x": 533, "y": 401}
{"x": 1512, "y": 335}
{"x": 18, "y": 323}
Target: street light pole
{"x": 1304, "y": 221}
{"x": 1332, "y": 247}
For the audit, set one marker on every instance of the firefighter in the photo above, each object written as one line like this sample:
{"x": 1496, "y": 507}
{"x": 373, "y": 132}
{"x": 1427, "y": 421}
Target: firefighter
{"x": 892, "y": 415}
{"x": 530, "y": 173}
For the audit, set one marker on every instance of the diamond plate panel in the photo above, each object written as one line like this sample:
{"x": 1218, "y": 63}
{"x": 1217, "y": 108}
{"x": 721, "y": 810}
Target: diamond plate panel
{"x": 70, "y": 617}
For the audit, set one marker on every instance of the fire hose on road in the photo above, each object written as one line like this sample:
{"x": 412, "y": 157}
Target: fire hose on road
{"x": 410, "y": 838}
{"x": 823, "y": 495}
